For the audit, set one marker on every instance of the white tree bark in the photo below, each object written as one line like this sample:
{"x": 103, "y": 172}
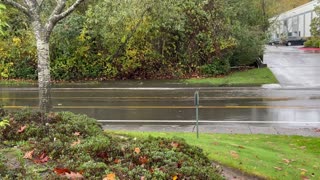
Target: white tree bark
{"x": 42, "y": 32}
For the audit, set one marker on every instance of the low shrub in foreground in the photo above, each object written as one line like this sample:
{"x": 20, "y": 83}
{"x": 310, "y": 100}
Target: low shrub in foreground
{"x": 75, "y": 146}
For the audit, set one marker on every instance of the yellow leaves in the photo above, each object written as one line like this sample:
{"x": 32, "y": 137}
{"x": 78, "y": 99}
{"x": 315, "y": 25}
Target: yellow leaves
{"x": 16, "y": 41}
{"x": 110, "y": 176}
{"x": 175, "y": 177}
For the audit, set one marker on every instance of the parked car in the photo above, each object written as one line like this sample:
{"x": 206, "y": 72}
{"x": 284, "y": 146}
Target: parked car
{"x": 291, "y": 41}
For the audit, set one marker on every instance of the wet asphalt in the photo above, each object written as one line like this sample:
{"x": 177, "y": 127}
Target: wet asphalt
{"x": 293, "y": 107}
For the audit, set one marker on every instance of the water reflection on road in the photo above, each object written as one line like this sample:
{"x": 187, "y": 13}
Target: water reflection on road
{"x": 166, "y": 105}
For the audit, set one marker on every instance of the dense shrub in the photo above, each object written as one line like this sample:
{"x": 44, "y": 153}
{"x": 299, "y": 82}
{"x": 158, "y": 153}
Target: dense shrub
{"x": 76, "y": 143}
{"x": 215, "y": 68}
{"x": 313, "y": 42}
{"x": 135, "y": 39}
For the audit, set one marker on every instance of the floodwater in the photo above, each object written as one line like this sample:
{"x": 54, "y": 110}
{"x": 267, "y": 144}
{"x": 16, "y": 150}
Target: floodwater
{"x": 176, "y": 105}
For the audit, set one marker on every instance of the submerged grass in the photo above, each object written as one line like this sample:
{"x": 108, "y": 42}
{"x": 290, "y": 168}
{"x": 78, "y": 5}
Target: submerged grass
{"x": 253, "y": 77}
{"x": 268, "y": 156}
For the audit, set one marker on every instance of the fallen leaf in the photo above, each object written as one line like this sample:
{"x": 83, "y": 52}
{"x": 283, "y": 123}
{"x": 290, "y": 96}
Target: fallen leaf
{"x": 102, "y": 155}
{"x": 22, "y": 128}
{"x": 287, "y": 161}
{"x": 304, "y": 178}
{"x": 28, "y": 155}
{"x": 110, "y": 176}
{"x": 42, "y": 159}
{"x": 74, "y": 175}
{"x": 117, "y": 161}
{"x": 61, "y": 171}
{"x": 303, "y": 147}
{"x": 215, "y": 143}
{"x": 143, "y": 159}
{"x": 175, "y": 177}
{"x": 278, "y": 168}
{"x": 234, "y": 154}
{"x": 75, "y": 143}
{"x": 175, "y": 144}
{"x": 137, "y": 150}
{"x": 301, "y": 169}
{"x": 142, "y": 178}
{"x": 76, "y": 133}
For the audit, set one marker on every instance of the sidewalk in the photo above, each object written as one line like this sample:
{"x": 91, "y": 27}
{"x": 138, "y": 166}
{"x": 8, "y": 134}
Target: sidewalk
{"x": 221, "y": 129}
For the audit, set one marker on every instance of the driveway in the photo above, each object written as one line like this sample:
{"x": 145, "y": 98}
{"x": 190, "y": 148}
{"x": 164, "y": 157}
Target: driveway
{"x": 294, "y": 67}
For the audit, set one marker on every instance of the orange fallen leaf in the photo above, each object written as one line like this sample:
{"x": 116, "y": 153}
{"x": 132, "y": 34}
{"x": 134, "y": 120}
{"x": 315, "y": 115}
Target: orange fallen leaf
{"x": 143, "y": 159}
{"x": 75, "y": 143}
{"x": 22, "y": 128}
{"x": 137, "y": 150}
{"x": 76, "y": 133}
{"x": 61, "y": 171}
{"x": 28, "y": 155}
{"x": 175, "y": 177}
{"x": 234, "y": 154}
{"x": 42, "y": 159}
{"x": 287, "y": 161}
{"x": 110, "y": 176}
{"x": 175, "y": 144}
{"x": 74, "y": 175}
{"x": 117, "y": 161}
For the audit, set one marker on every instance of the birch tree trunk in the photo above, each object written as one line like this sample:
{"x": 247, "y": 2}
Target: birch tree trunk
{"x": 44, "y": 80}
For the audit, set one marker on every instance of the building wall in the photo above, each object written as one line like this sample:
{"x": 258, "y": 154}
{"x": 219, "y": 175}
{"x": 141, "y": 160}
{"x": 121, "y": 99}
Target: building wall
{"x": 295, "y": 22}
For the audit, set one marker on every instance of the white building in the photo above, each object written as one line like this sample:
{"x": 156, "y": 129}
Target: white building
{"x": 294, "y": 23}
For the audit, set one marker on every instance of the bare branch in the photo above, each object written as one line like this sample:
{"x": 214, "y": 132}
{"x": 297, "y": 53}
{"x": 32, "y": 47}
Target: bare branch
{"x": 16, "y": 5}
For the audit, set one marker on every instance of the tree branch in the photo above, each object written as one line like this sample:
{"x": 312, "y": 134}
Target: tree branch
{"x": 16, "y": 5}
{"x": 57, "y": 14}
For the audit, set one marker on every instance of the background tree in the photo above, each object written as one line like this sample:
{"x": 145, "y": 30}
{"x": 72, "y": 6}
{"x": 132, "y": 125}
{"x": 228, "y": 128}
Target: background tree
{"x": 2, "y": 19}
{"x": 42, "y": 25}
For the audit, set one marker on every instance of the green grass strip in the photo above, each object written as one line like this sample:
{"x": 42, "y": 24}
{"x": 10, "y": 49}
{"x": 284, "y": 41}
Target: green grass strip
{"x": 253, "y": 77}
{"x": 268, "y": 156}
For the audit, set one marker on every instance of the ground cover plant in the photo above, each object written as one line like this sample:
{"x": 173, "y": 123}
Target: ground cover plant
{"x": 73, "y": 146}
{"x": 266, "y": 156}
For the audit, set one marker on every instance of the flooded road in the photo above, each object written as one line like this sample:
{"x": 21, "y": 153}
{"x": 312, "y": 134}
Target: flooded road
{"x": 282, "y": 107}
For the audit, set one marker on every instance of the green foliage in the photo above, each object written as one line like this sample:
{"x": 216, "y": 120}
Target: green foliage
{"x": 315, "y": 24}
{"x": 217, "y": 67}
{"x": 313, "y": 42}
{"x": 136, "y": 39}
{"x": 3, "y": 23}
{"x": 95, "y": 153}
{"x": 17, "y": 49}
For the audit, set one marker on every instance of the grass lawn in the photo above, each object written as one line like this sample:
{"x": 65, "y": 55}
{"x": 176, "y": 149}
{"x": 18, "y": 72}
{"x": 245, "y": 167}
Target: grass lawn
{"x": 268, "y": 156}
{"x": 253, "y": 77}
